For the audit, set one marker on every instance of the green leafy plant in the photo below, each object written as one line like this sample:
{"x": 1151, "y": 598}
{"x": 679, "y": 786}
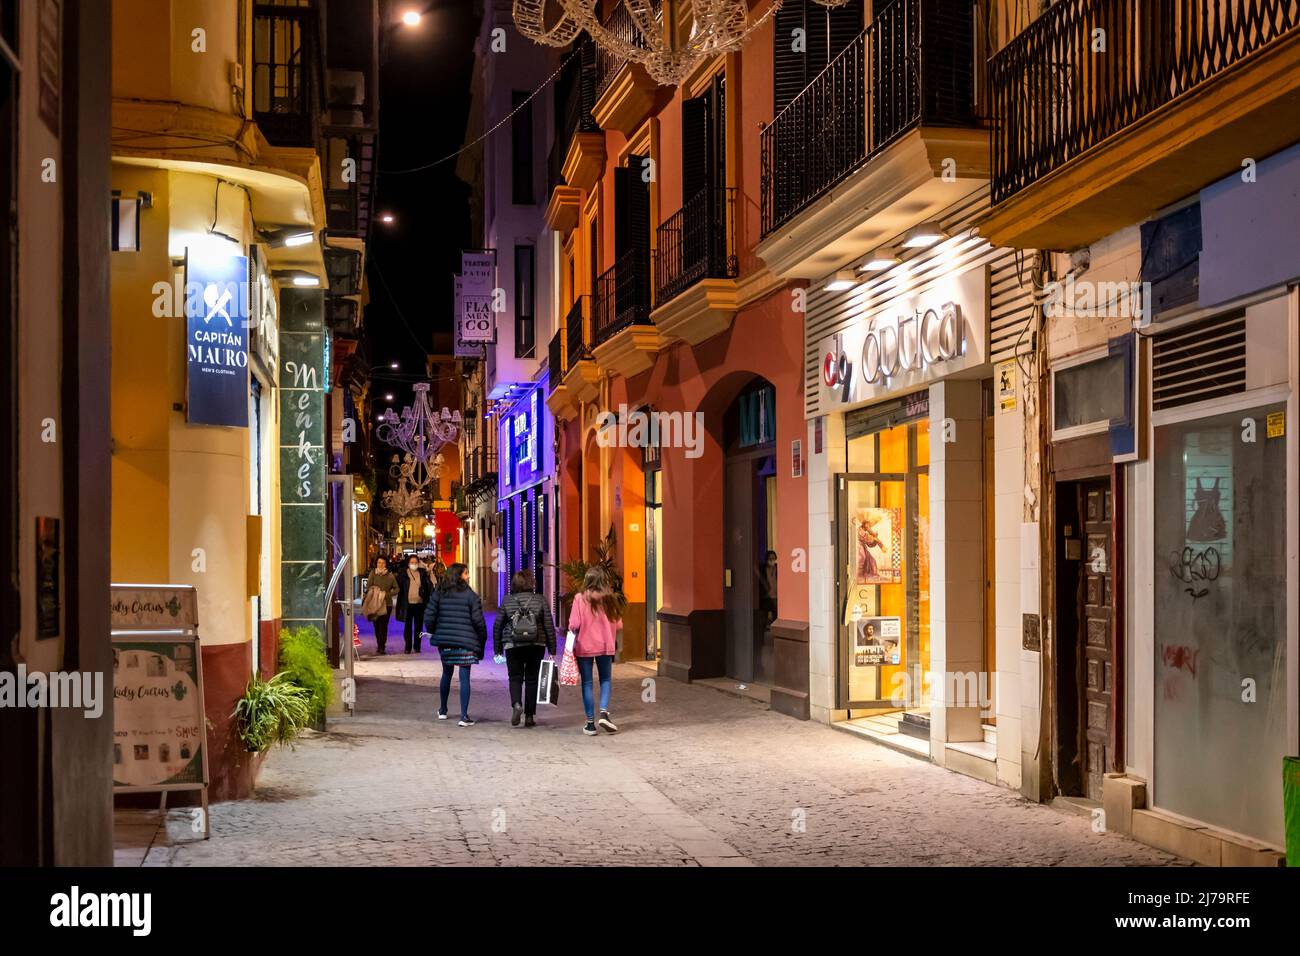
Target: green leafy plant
{"x": 272, "y": 712}
{"x": 575, "y": 570}
{"x": 303, "y": 662}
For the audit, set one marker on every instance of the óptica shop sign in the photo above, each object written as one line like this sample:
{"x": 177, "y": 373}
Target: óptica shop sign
{"x": 910, "y": 341}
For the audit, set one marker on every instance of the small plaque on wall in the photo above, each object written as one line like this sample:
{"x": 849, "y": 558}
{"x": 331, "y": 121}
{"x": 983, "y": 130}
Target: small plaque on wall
{"x": 1031, "y": 638}
{"x": 48, "y": 599}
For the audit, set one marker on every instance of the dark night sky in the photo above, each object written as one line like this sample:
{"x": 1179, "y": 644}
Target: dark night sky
{"x": 423, "y": 102}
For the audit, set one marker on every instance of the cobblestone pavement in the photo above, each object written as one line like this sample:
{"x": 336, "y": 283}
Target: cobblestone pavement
{"x": 695, "y": 777}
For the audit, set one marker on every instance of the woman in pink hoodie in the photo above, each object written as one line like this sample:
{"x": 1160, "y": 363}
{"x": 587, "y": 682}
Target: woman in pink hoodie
{"x": 595, "y": 621}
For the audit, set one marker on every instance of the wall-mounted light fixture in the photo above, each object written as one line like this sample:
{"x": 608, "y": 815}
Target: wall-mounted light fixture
{"x": 298, "y": 277}
{"x": 287, "y": 237}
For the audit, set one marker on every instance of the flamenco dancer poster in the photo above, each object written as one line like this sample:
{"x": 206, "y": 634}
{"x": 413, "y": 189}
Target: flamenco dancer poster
{"x": 877, "y": 533}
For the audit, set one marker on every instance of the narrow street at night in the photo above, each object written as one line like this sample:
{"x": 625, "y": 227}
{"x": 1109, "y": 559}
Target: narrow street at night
{"x": 609, "y": 441}
{"x": 699, "y": 777}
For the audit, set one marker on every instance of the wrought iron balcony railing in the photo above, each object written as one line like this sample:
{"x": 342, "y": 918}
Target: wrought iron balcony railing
{"x": 913, "y": 65}
{"x": 622, "y": 296}
{"x": 618, "y": 23}
{"x": 1054, "y": 98}
{"x": 288, "y": 74}
{"x": 694, "y": 243}
{"x": 577, "y": 331}
{"x": 575, "y": 95}
{"x": 555, "y": 367}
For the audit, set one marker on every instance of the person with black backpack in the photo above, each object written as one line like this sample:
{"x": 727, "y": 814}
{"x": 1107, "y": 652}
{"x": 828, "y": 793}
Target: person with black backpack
{"x": 524, "y": 632}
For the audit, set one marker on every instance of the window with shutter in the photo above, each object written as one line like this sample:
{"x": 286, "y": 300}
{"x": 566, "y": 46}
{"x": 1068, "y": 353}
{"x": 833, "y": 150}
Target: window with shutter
{"x": 799, "y": 56}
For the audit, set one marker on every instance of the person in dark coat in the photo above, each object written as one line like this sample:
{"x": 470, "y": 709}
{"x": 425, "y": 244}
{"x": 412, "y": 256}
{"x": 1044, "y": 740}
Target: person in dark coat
{"x": 386, "y": 581}
{"x": 523, "y": 633}
{"x": 413, "y": 589}
{"x": 454, "y": 620}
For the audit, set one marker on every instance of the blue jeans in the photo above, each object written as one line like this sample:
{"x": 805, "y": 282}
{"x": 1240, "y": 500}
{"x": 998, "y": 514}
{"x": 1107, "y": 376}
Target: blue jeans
{"x": 605, "y": 666}
{"x": 444, "y": 688}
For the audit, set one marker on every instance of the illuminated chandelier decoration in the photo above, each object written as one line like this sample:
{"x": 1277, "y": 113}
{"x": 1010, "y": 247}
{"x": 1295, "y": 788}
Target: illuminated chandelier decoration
{"x": 408, "y": 498}
{"x": 420, "y": 433}
{"x": 717, "y": 26}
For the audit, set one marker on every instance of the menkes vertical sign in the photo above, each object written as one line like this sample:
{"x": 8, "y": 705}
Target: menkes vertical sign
{"x": 302, "y": 457}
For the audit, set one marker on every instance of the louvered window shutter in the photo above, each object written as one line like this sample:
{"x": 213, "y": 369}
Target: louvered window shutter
{"x": 695, "y": 146}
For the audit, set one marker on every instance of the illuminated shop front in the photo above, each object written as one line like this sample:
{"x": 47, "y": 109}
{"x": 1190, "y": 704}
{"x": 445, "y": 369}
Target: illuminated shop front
{"x": 526, "y": 501}
{"x": 915, "y": 592}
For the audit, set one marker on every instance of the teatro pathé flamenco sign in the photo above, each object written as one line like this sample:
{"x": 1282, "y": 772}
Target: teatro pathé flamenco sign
{"x": 909, "y": 342}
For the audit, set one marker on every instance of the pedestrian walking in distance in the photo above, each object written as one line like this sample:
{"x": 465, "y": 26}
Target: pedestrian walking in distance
{"x": 413, "y": 588}
{"x": 384, "y": 581}
{"x": 454, "y": 620}
{"x": 524, "y": 632}
{"x": 595, "y": 621}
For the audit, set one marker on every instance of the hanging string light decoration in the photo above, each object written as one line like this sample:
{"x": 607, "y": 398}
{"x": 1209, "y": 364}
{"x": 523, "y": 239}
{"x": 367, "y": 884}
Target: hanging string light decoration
{"x": 655, "y": 41}
{"x": 420, "y": 433}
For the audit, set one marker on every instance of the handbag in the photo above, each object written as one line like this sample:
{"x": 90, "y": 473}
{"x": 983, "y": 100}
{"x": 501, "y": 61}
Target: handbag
{"x": 548, "y": 686}
{"x": 375, "y": 603}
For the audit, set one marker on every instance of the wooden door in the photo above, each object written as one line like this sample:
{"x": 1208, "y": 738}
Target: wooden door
{"x": 1097, "y": 636}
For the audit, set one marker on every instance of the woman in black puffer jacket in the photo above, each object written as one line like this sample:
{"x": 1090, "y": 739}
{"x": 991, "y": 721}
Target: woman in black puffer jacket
{"x": 454, "y": 619}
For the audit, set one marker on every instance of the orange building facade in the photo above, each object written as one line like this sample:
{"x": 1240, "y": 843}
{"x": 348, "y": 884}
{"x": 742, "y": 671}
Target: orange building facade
{"x": 673, "y": 325}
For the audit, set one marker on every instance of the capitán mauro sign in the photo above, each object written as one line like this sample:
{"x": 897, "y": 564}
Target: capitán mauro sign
{"x": 912, "y": 340}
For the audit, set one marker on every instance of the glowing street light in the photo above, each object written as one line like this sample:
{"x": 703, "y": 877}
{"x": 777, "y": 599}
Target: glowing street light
{"x": 386, "y": 218}
{"x": 411, "y": 18}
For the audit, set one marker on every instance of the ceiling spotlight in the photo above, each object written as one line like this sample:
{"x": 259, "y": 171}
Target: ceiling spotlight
{"x": 388, "y": 397}
{"x": 411, "y": 18}
{"x": 880, "y": 260}
{"x": 844, "y": 279}
{"x": 924, "y": 236}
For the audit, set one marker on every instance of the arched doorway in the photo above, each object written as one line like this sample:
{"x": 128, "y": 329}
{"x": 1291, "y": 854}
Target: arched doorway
{"x": 591, "y": 529}
{"x": 749, "y": 509}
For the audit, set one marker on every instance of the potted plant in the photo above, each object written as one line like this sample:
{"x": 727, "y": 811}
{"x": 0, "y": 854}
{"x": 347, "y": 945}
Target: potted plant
{"x": 575, "y": 572}
{"x": 272, "y": 712}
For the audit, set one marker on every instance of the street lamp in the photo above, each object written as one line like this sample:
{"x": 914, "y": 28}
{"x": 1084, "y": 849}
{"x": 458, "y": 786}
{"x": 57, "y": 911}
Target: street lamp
{"x": 386, "y": 218}
{"x": 411, "y": 18}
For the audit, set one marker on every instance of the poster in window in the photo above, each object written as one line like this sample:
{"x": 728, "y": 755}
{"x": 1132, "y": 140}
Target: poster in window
{"x": 877, "y": 537}
{"x": 877, "y": 640}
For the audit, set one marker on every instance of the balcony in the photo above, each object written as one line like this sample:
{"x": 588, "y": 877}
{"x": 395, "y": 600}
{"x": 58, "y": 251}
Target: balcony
{"x": 696, "y": 268}
{"x": 625, "y": 340}
{"x": 625, "y": 94}
{"x": 885, "y": 137}
{"x": 581, "y": 376}
{"x": 288, "y": 74}
{"x": 558, "y": 399}
{"x": 578, "y": 153}
{"x": 1084, "y": 145}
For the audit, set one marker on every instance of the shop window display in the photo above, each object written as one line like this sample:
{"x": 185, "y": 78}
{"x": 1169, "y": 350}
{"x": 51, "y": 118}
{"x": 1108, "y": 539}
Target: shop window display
{"x": 885, "y": 570}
